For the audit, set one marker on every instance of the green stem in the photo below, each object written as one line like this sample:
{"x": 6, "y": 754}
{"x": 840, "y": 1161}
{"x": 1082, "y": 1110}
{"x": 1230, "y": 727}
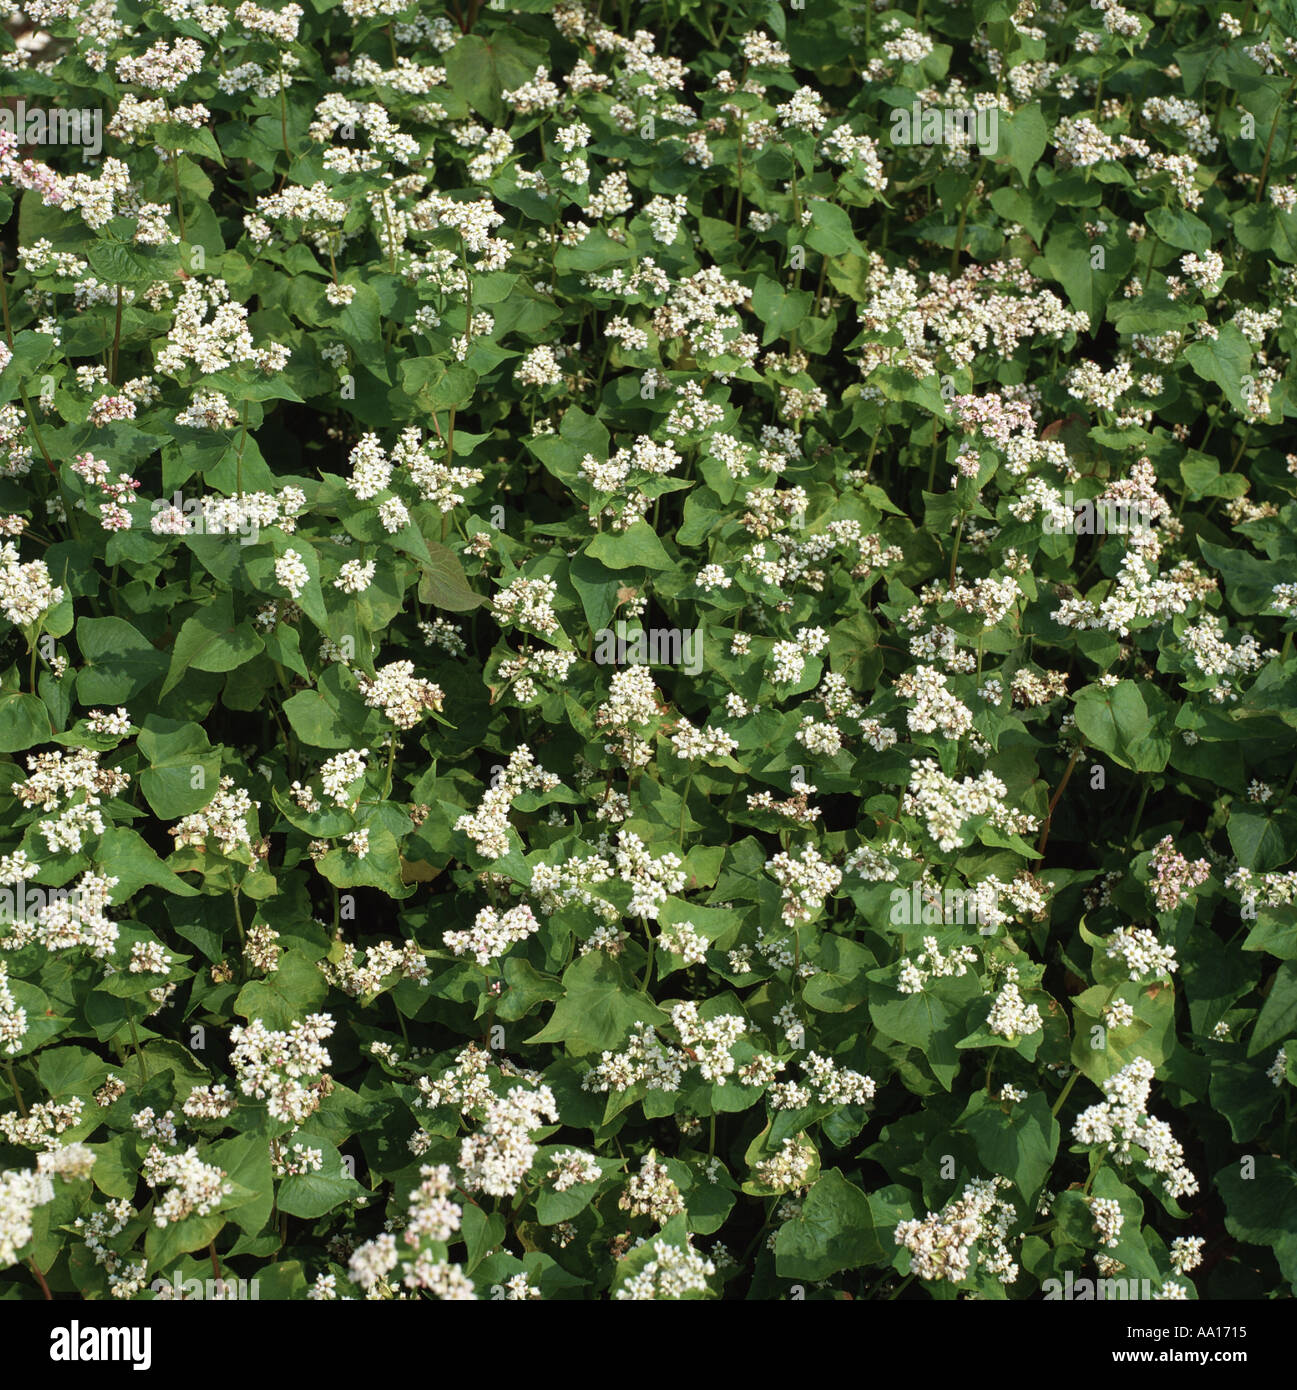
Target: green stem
{"x": 1139, "y": 811}
{"x": 1049, "y": 814}
{"x": 1269, "y": 144}
{"x": 139, "y": 1052}
{"x": 13, "y": 1082}
{"x": 391, "y": 763}
{"x": 238, "y": 920}
{"x": 1152, "y": 251}
{"x": 648, "y": 968}
{"x": 1063, "y": 1095}
{"x": 117, "y": 336}
{"x": 963, "y": 216}
{"x": 4, "y": 301}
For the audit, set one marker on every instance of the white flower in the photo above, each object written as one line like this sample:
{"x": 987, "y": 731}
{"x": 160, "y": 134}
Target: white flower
{"x": 291, "y": 572}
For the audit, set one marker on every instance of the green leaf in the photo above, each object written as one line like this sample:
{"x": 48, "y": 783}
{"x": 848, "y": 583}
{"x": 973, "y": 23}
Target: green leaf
{"x": 437, "y": 385}
{"x": 778, "y": 310}
{"x": 1021, "y": 1145}
{"x": 830, "y": 231}
{"x": 1258, "y": 840}
{"x": 1180, "y": 229}
{"x": 246, "y": 1161}
{"x": 24, "y": 720}
{"x": 841, "y": 982}
{"x": 119, "y": 662}
{"x": 119, "y": 265}
{"x": 290, "y": 992}
{"x": 1117, "y": 720}
{"x": 1249, "y": 581}
{"x": 598, "y": 1008}
{"x": 312, "y": 1195}
{"x": 444, "y": 584}
{"x": 212, "y": 641}
{"x": 1278, "y": 1018}
{"x": 931, "y": 1020}
{"x": 1023, "y": 138}
{"x": 835, "y": 1231}
{"x": 1260, "y": 1200}
{"x": 553, "y": 1206}
{"x": 481, "y": 68}
{"x": 331, "y": 716}
{"x": 30, "y": 350}
{"x": 125, "y": 854}
{"x": 637, "y": 545}
{"x": 184, "y": 770}
{"x": 1223, "y": 360}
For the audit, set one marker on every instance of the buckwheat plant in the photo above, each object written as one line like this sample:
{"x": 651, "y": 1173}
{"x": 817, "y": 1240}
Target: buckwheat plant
{"x": 647, "y": 653}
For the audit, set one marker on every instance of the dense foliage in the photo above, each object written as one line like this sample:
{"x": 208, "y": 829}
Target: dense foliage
{"x": 648, "y": 654}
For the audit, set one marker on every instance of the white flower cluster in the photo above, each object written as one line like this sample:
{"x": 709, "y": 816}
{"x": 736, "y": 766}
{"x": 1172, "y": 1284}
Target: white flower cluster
{"x": 192, "y": 1186}
{"x": 556, "y": 885}
{"x": 437, "y": 481}
{"x": 1186, "y": 1253}
{"x": 360, "y": 973}
{"x": 941, "y": 1245}
{"x": 215, "y": 344}
{"x": 1141, "y": 953}
{"x": 402, "y": 696}
{"x": 214, "y": 515}
{"x": 789, "y": 1168}
{"x": 707, "y": 1042}
{"x": 527, "y": 603}
{"x": 492, "y": 933}
{"x": 116, "y": 723}
{"x": 13, "y": 1020}
{"x": 684, "y": 940}
{"x": 651, "y": 1192}
{"x": 824, "y": 1083}
{"x": 934, "y": 707}
{"x": 1118, "y": 1014}
{"x": 931, "y": 963}
{"x": 1108, "y": 1220}
{"x": 340, "y": 773}
{"x": 224, "y": 818}
{"x": 1121, "y": 1123}
{"x": 652, "y": 880}
{"x": 673, "y": 1272}
{"x": 789, "y": 658}
{"x": 499, "y": 1156}
{"x": 291, "y": 573}
{"x": 22, "y": 1191}
{"x": 571, "y": 1168}
{"x": 465, "y": 1084}
{"x": 945, "y": 805}
{"x": 806, "y": 881}
{"x": 1010, "y": 1016}
{"x": 285, "y": 1069}
{"x": 431, "y": 1214}
{"x": 125, "y": 1277}
{"x": 632, "y": 701}
{"x": 209, "y": 1102}
{"x": 26, "y": 593}
{"x": 488, "y": 826}
{"x": 645, "y": 1060}
{"x": 690, "y": 742}
{"x": 78, "y": 919}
